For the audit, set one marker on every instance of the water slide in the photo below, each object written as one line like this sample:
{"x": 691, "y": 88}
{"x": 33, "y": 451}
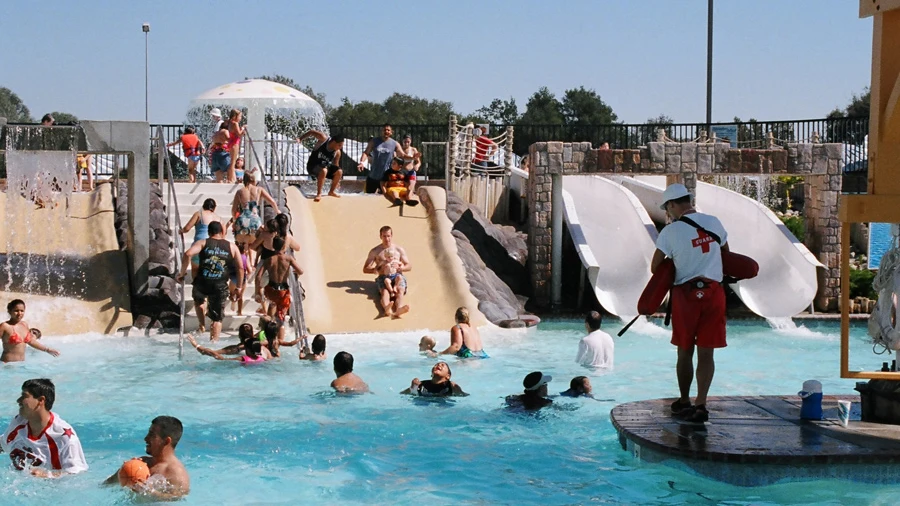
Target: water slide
{"x": 787, "y": 280}
{"x": 614, "y": 237}
{"x": 336, "y": 235}
{"x": 65, "y": 263}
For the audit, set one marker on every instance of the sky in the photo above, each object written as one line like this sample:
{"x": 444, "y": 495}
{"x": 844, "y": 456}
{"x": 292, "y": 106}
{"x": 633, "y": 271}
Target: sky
{"x": 772, "y": 59}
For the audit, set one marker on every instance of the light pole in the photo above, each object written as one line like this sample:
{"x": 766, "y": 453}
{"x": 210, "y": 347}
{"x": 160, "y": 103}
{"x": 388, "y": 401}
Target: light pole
{"x": 709, "y": 49}
{"x": 146, "y": 30}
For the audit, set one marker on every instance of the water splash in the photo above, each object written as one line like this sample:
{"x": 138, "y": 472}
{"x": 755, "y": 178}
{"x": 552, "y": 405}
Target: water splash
{"x": 787, "y": 326}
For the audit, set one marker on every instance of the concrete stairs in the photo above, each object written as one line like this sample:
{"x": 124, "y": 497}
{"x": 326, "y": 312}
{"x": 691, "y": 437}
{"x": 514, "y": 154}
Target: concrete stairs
{"x": 190, "y": 198}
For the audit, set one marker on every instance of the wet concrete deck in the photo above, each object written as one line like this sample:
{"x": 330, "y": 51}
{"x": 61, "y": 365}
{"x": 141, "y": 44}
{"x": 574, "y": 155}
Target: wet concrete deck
{"x": 758, "y": 440}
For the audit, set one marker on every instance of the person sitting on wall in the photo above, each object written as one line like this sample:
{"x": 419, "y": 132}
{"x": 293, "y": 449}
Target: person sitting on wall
{"x": 395, "y": 184}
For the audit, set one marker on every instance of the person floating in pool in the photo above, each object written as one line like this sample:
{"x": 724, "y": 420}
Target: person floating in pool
{"x": 169, "y": 478}
{"x": 426, "y": 346}
{"x": 316, "y": 352}
{"x": 465, "y": 340}
{"x": 278, "y": 291}
{"x": 392, "y": 306}
{"x": 395, "y": 184}
{"x": 272, "y": 338}
{"x": 347, "y": 382}
{"x": 38, "y": 440}
{"x": 695, "y": 242}
{"x": 15, "y": 334}
{"x": 438, "y": 386}
{"x": 535, "y": 394}
{"x": 580, "y": 386}
{"x": 254, "y": 351}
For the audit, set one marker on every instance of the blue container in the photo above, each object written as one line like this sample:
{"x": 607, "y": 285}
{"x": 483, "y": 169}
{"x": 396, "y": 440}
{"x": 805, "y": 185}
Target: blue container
{"x": 811, "y": 409}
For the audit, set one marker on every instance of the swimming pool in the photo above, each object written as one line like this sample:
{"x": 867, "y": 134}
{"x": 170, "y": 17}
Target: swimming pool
{"x": 275, "y": 434}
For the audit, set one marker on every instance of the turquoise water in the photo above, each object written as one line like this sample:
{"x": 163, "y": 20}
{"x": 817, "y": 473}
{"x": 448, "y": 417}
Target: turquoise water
{"x": 274, "y": 434}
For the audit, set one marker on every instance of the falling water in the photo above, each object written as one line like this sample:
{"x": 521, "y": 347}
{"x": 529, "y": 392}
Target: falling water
{"x": 759, "y": 188}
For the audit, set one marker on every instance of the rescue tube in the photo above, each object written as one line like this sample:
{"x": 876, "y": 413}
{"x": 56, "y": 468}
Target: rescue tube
{"x": 734, "y": 265}
{"x": 737, "y": 266}
{"x": 657, "y": 288}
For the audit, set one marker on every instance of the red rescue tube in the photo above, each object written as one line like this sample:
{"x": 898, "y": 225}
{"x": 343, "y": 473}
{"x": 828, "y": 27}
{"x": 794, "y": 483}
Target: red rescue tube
{"x": 737, "y": 266}
{"x": 734, "y": 265}
{"x": 657, "y": 288}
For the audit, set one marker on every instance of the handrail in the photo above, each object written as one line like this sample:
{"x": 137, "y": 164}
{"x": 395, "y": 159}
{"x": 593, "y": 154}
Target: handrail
{"x": 296, "y": 310}
{"x": 163, "y": 161}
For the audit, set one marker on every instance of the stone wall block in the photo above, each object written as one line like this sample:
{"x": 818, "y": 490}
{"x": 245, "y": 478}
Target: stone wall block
{"x": 704, "y": 163}
{"x": 820, "y": 165}
{"x": 689, "y": 152}
{"x": 804, "y": 153}
{"x": 657, "y": 152}
{"x": 733, "y": 162}
{"x": 749, "y": 160}
{"x": 555, "y": 161}
{"x": 578, "y": 157}
{"x": 567, "y": 153}
{"x": 555, "y": 147}
{"x": 834, "y": 151}
{"x": 673, "y": 164}
{"x": 779, "y": 161}
{"x": 606, "y": 160}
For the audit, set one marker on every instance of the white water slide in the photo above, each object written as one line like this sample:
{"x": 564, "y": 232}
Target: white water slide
{"x": 787, "y": 280}
{"x": 615, "y": 239}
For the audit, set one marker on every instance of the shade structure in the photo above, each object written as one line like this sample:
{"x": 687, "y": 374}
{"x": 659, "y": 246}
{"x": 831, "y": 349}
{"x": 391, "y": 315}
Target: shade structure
{"x": 258, "y": 96}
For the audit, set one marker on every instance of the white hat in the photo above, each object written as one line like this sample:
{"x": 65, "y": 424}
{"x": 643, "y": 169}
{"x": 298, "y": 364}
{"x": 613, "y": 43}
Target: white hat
{"x": 673, "y": 192}
{"x": 810, "y": 387}
{"x": 215, "y": 112}
{"x": 536, "y": 380}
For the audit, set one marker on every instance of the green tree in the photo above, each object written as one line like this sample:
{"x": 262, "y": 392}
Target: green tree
{"x": 64, "y": 118}
{"x": 542, "y": 108}
{"x": 850, "y": 124}
{"x": 749, "y": 131}
{"x": 399, "y": 108}
{"x": 647, "y": 132}
{"x": 583, "y": 107}
{"x": 12, "y": 108}
{"x": 360, "y": 113}
{"x": 498, "y": 112}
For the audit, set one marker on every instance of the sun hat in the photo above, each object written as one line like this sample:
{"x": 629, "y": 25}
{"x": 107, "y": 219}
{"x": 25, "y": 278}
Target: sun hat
{"x": 673, "y": 192}
{"x": 215, "y": 112}
{"x": 810, "y": 387}
{"x": 536, "y": 380}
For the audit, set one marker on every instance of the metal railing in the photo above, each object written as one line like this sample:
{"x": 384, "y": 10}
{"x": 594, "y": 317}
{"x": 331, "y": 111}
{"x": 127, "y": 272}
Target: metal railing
{"x": 165, "y": 167}
{"x": 296, "y": 310}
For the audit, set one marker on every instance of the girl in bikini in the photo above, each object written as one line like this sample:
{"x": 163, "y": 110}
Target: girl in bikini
{"x": 15, "y": 334}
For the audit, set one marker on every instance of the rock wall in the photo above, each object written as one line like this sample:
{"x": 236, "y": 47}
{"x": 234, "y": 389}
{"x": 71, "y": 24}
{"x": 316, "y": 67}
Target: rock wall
{"x": 494, "y": 258}
{"x": 158, "y": 307}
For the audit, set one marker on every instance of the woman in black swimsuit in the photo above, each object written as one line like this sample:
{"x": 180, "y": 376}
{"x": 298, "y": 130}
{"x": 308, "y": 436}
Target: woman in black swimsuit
{"x": 438, "y": 386}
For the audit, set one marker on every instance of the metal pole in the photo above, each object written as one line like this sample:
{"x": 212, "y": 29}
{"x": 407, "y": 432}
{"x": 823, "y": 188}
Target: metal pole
{"x": 709, "y": 63}
{"x": 556, "y": 232}
{"x": 146, "y": 29}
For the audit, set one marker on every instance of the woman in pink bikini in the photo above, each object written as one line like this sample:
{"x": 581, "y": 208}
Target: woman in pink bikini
{"x": 16, "y": 334}
{"x": 235, "y": 132}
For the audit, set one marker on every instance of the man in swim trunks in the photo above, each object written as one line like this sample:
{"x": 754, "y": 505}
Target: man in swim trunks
{"x": 395, "y": 184}
{"x": 325, "y": 161}
{"x": 347, "y": 382}
{"x": 695, "y": 242}
{"x": 382, "y": 150}
{"x": 391, "y": 304}
{"x": 278, "y": 291}
{"x": 38, "y": 440}
{"x": 219, "y": 153}
{"x": 161, "y": 440}
{"x": 217, "y": 258}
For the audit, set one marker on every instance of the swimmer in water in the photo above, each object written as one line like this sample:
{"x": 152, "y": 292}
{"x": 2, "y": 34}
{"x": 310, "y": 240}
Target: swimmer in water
{"x": 254, "y": 351}
{"x": 317, "y": 352}
{"x": 347, "y": 382}
{"x": 580, "y": 386}
{"x": 426, "y": 345}
{"x": 169, "y": 479}
{"x": 15, "y": 334}
{"x": 438, "y": 386}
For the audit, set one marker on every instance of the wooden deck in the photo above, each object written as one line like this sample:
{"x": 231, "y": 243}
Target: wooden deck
{"x": 759, "y": 440}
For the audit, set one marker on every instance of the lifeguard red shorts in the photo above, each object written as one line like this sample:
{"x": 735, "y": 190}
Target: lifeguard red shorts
{"x": 698, "y": 315}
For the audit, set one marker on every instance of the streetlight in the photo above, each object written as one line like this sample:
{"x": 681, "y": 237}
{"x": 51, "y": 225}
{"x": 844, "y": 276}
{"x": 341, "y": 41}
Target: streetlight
{"x": 709, "y": 63}
{"x": 146, "y": 30}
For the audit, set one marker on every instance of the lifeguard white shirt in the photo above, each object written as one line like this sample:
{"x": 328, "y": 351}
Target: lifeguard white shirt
{"x": 56, "y": 448}
{"x": 596, "y": 350}
{"x": 695, "y": 253}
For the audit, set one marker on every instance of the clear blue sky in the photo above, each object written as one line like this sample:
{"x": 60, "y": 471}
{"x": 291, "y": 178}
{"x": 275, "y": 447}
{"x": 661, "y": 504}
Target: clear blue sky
{"x": 773, "y": 59}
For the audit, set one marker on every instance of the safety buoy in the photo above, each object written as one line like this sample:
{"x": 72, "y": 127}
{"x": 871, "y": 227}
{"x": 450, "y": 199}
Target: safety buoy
{"x": 734, "y": 265}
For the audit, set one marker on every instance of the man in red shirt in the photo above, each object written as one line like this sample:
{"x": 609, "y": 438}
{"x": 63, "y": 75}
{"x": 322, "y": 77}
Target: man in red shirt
{"x": 484, "y": 148}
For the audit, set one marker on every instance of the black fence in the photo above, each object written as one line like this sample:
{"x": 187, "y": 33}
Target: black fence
{"x": 432, "y": 140}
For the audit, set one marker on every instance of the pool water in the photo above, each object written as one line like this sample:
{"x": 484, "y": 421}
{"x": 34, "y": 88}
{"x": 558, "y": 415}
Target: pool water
{"x": 275, "y": 434}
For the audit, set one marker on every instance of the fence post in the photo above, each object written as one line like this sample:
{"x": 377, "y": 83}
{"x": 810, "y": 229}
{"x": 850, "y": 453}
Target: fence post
{"x": 453, "y": 150}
